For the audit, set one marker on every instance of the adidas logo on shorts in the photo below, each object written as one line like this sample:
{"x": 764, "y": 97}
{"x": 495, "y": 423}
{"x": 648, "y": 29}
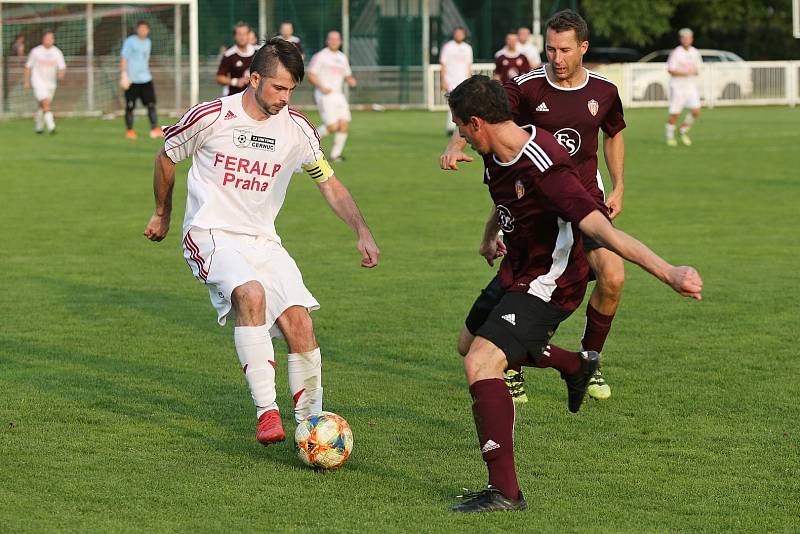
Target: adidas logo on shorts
{"x": 489, "y": 446}
{"x": 542, "y": 107}
{"x": 511, "y": 318}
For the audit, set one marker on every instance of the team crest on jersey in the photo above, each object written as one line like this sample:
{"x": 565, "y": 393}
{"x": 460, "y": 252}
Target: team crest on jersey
{"x": 593, "y": 106}
{"x": 505, "y": 219}
{"x": 241, "y": 138}
{"x": 518, "y": 185}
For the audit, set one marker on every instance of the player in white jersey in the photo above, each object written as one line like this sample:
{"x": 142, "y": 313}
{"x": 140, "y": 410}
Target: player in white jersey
{"x": 329, "y": 70}
{"x": 45, "y": 66}
{"x": 684, "y": 65}
{"x": 245, "y": 148}
{"x": 455, "y": 59}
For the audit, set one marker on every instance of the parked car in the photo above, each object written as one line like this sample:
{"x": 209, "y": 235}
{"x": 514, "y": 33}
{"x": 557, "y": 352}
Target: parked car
{"x": 598, "y": 55}
{"x": 732, "y": 77}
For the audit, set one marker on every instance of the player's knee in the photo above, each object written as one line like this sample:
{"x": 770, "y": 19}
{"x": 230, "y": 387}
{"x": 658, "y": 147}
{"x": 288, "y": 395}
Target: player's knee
{"x": 612, "y": 281}
{"x": 480, "y": 364}
{"x": 249, "y": 299}
{"x": 296, "y": 322}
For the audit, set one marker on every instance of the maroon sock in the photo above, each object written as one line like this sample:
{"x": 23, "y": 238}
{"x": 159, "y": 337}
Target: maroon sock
{"x": 493, "y": 410}
{"x": 597, "y": 328}
{"x": 557, "y": 358}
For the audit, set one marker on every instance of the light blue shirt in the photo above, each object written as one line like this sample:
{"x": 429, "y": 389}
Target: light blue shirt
{"x": 137, "y": 53}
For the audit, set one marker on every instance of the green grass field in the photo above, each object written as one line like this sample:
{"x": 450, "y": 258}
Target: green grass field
{"x": 123, "y": 408}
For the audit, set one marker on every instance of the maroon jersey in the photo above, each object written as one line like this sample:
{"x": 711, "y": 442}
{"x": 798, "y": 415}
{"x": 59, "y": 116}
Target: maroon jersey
{"x": 574, "y": 116}
{"x": 540, "y": 202}
{"x": 236, "y": 64}
{"x": 508, "y": 67}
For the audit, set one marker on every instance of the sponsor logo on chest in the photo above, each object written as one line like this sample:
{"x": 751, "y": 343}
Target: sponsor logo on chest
{"x": 245, "y": 138}
{"x": 569, "y": 138}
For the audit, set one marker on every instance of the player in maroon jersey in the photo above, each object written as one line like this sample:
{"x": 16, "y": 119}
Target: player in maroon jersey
{"x": 543, "y": 211}
{"x": 234, "y": 67}
{"x": 509, "y": 61}
{"x": 573, "y": 103}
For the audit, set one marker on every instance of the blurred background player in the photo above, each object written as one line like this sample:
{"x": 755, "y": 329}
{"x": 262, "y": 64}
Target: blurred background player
{"x": 136, "y": 80}
{"x": 286, "y": 32}
{"x": 253, "y": 39}
{"x": 18, "y": 46}
{"x": 44, "y": 68}
{"x": 245, "y": 149}
{"x": 528, "y": 47}
{"x": 574, "y": 104}
{"x": 455, "y": 59}
{"x": 233, "y": 72}
{"x": 328, "y": 70}
{"x": 509, "y": 62}
{"x": 684, "y": 65}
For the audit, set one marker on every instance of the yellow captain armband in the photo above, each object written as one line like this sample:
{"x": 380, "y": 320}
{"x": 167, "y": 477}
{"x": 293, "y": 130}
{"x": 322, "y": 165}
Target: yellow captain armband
{"x": 320, "y": 170}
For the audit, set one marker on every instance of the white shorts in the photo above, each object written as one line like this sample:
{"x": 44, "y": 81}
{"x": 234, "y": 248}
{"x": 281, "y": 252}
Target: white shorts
{"x": 333, "y": 108}
{"x": 683, "y": 97}
{"x": 223, "y": 261}
{"x": 43, "y": 92}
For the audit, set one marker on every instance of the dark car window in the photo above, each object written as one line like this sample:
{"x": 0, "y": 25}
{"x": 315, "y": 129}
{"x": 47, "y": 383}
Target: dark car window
{"x": 712, "y": 59}
{"x": 659, "y": 58}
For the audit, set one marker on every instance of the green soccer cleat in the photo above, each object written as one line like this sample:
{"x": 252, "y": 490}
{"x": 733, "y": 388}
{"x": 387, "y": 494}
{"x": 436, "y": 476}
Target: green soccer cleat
{"x": 671, "y": 141}
{"x": 686, "y": 140}
{"x": 598, "y": 387}
{"x": 516, "y": 385}
{"x": 489, "y": 500}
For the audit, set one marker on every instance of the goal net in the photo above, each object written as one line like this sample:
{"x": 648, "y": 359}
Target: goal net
{"x": 90, "y": 34}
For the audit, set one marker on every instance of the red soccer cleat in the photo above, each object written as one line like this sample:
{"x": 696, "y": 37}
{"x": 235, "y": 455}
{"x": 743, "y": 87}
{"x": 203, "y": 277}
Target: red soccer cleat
{"x": 270, "y": 428}
{"x": 130, "y": 134}
{"x": 156, "y": 132}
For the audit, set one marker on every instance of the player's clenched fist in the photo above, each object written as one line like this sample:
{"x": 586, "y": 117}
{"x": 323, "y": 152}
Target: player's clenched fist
{"x": 157, "y": 227}
{"x": 686, "y": 281}
{"x": 369, "y": 251}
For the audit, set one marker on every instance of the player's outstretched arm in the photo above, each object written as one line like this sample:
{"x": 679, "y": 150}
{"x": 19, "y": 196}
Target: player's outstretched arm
{"x": 454, "y": 153}
{"x": 163, "y": 182}
{"x": 684, "y": 280}
{"x": 342, "y": 203}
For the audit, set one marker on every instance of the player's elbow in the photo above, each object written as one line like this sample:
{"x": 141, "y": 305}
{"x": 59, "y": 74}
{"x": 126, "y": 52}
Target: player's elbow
{"x": 222, "y": 80}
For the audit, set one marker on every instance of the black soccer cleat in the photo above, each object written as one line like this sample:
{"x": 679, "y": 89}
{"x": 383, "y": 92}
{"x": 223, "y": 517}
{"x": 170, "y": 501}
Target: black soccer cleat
{"x": 489, "y": 500}
{"x": 579, "y": 382}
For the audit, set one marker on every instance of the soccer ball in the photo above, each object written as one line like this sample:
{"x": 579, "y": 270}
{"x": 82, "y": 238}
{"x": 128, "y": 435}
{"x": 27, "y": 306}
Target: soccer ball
{"x": 324, "y": 440}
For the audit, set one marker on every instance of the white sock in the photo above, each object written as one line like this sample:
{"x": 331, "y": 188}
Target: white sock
{"x": 323, "y": 131}
{"x": 339, "y": 139}
{"x": 687, "y": 123}
{"x": 49, "y": 121}
{"x": 305, "y": 382}
{"x": 38, "y": 119}
{"x": 254, "y": 347}
{"x": 669, "y": 130}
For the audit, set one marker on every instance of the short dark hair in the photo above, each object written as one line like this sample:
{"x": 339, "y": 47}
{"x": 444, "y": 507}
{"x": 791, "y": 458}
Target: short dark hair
{"x": 569, "y": 20}
{"x": 142, "y": 23}
{"x": 241, "y": 24}
{"x": 265, "y": 62}
{"x": 480, "y": 96}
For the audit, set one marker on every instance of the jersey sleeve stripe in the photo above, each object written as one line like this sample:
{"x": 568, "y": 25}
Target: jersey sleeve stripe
{"x": 193, "y": 122}
{"x": 186, "y": 116}
{"x": 298, "y": 114}
{"x": 536, "y": 148}
{"x": 535, "y": 158}
{"x": 201, "y": 108}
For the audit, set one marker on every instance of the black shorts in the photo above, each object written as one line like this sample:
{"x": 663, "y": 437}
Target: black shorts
{"x": 489, "y": 298}
{"x": 589, "y": 244}
{"x": 140, "y": 91}
{"x": 522, "y": 324}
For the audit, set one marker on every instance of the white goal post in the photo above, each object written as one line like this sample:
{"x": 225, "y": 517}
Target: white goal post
{"x": 82, "y": 23}
{"x": 796, "y": 18}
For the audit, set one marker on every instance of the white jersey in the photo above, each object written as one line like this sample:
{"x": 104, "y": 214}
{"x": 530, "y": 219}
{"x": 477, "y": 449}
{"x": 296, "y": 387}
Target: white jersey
{"x": 331, "y": 68}
{"x": 241, "y": 167}
{"x": 683, "y": 59}
{"x": 456, "y": 58}
{"x": 45, "y": 64}
{"x": 531, "y": 51}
